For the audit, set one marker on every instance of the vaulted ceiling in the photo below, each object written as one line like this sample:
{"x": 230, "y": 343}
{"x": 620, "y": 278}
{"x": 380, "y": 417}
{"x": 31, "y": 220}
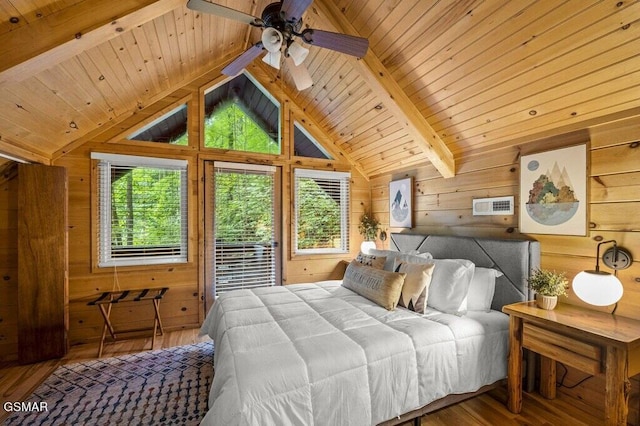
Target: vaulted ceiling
{"x": 442, "y": 80}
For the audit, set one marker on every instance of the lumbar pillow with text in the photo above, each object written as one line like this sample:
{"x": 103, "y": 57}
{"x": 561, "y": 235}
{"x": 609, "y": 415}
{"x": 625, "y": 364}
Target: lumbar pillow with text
{"x": 415, "y": 290}
{"x": 381, "y": 287}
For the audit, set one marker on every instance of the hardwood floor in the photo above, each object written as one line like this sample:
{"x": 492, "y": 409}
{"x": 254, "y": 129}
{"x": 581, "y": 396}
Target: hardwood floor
{"x": 18, "y": 381}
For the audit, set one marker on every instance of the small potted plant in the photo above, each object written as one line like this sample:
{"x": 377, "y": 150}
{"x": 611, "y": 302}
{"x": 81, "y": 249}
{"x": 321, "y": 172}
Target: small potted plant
{"x": 368, "y": 228}
{"x": 548, "y": 285}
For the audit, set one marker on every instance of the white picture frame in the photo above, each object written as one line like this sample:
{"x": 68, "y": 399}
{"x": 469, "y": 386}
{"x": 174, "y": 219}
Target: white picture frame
{"x": 401, "y": 203}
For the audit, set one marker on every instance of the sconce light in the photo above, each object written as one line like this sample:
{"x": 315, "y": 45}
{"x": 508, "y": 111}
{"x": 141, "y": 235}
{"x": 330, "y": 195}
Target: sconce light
{"x": 601, "y": 288}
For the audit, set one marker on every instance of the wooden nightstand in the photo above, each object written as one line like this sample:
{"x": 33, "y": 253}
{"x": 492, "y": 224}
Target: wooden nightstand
{"x": 591, "y": 341}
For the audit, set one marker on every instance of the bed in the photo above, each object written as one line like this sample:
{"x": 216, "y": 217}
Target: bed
{"x": 321, "y": 353}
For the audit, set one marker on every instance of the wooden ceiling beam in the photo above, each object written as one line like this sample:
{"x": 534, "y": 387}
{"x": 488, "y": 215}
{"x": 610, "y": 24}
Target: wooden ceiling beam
{"x": 55, "y": 38}
{"x": 13, "y": 149}
{"x": 394, "y": 98}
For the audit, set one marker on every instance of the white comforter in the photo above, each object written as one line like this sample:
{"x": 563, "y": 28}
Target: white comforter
{"x": 320, "y": 354}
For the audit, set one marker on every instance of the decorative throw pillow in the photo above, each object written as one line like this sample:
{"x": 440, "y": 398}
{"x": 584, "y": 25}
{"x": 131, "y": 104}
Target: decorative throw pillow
{"x": 482, "y": 289}
{"x": 371, "y": 260}
{"x": 391, "y": 256}
{"x": 450, "y": 285}
{"x": 381, "y": 287}
{"x": 415, "y": 290}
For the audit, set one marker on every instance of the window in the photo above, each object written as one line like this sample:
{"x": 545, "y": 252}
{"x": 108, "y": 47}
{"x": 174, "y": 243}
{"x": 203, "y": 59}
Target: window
{"x": 321, "y": 211}
{"x": 170, "y": 128}
{"x": 142, "y": 210}
{"x": 304, "y": 145}
{"x": 241, "y": 116}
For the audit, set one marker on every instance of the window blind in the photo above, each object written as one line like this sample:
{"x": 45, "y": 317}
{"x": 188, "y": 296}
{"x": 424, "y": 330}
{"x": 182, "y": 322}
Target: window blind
{"x": 244, "y": 228}
{"x": 321, "y": 211}
{"x": 142, "y": 210}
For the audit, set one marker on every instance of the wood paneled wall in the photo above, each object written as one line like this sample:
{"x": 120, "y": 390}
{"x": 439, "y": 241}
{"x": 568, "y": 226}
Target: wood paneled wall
{"x": 443, "y": 206}
{"x": 182, "y": 306}
{"x": 8, "y": 261}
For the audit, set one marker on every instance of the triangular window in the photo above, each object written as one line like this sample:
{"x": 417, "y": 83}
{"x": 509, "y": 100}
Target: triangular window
{"x": 241, "y": 116}
{"x": 170, "y": 128}
{"x": 304, "y": 145}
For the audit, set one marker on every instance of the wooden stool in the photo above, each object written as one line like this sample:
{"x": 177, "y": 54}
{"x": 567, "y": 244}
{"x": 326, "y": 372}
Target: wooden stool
{"x": 108, "y": 298}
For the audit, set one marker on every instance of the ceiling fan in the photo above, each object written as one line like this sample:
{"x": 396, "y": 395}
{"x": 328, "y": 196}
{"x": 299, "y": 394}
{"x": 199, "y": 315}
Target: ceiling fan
{"x": 281, "y": 23}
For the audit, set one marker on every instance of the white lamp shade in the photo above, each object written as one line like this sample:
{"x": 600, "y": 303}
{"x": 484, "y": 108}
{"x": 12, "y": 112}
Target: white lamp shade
{"x": 273, "y": 59}
{"x": 300, "y": 75}
{"x": 366, "y": 245}
{"x": 298, "y": 53}
{"x": 272, "y": 39}
{"x": 597, "y": 288}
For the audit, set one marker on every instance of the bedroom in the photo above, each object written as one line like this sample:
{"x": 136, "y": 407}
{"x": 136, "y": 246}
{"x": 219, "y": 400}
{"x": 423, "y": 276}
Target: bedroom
{"x": 488, "y": 82}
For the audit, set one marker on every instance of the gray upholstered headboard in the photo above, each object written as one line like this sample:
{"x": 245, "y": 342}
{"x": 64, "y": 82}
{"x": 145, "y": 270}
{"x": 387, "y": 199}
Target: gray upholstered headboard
{"x": 515, "y": 258}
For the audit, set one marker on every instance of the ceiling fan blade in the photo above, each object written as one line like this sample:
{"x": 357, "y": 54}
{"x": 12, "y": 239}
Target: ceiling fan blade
{"x": 223, "y": 11}
{"x": 344, "y": 43}
{"x": 243, "y": 60}
{"x": 294, "y": 9}
{"x": 300, "y": 74}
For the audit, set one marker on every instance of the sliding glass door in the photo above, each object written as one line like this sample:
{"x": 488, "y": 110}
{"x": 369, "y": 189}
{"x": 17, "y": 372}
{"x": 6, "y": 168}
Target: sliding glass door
{"x": 243, "y": 233}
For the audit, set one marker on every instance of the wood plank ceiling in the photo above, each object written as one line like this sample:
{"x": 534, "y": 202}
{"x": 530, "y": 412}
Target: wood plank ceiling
{"x": 484, "y": 74}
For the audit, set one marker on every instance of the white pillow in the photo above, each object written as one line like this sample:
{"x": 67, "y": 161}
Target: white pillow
{"x": 482, "y": 289}
{"x": 415, "y": 290}
{"x": 450, "y": 285}
{"x": 412, "y": 257}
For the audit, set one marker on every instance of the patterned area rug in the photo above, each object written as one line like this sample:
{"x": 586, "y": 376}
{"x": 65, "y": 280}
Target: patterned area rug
{"x": 162, "y": 387}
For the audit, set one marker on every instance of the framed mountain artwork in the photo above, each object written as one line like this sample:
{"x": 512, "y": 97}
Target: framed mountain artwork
{"x": 553, "y": 192}
{"x": 400, "y": 203}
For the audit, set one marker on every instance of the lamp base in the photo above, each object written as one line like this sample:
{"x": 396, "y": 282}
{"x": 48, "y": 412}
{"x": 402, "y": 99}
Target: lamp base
{"x": 617, "y": 258}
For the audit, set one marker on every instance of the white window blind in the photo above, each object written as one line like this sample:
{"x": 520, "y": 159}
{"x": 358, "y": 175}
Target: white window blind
{"x": 244, "y": 226}
{"x": 142, "y": 210}
{"x": 321, "y": 211}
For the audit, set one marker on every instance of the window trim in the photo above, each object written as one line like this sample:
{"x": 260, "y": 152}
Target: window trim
{"x": 102, "y": 218}
{"x": 345, "y": 207}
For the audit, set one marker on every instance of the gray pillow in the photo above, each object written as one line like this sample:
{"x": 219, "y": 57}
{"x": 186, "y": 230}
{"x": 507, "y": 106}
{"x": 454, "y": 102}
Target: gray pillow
{"x": 413, "y": 257}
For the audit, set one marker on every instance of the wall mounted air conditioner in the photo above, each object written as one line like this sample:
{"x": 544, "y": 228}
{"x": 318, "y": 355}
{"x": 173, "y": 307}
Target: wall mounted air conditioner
{"x": 496, "y": 206}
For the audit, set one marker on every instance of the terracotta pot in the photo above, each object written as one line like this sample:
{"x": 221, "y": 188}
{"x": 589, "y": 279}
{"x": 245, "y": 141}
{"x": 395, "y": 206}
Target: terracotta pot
{"x": 546, "y": 302}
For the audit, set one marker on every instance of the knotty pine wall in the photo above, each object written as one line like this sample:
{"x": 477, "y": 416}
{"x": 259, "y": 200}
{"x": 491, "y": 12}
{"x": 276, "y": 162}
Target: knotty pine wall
{"x": 443, "y": 206}
{"x": 8, "y": 261}
{"x": 183, "y": 304}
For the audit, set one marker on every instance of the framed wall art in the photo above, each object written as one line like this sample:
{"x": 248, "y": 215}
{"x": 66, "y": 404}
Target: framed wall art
{"x": 553, "y": 192}
{"x": 400, "y": 203}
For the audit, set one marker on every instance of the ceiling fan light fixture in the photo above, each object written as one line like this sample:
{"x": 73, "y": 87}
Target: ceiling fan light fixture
{"x": 297, "y": 52}
{"x": 273, "y": 59}
{"x": 280, "y": 22}
{"x": 272, "y": 39}
{"x": 300, "y": 75}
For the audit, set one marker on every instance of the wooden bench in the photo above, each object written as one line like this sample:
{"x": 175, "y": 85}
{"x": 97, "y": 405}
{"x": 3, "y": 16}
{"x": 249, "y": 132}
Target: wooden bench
{"x": 108, "y": 298}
